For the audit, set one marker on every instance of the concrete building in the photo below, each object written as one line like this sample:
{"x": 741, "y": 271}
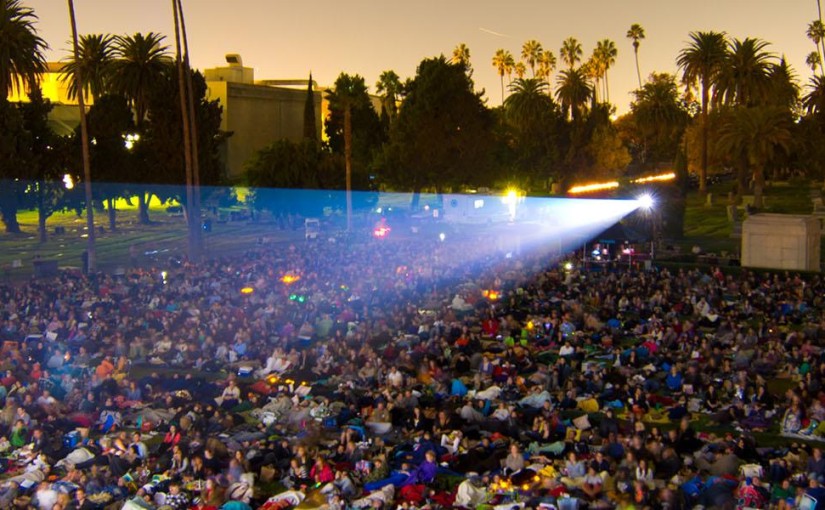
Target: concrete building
{"x": 257, "y": 113}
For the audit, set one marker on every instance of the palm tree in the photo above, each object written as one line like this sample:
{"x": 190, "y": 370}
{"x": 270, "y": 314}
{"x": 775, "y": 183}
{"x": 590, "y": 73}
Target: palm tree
{"x": 814, "y": 100}
{"x": 530, "y": 52}
{"x": 389, "y": 85}
{"x": 503, "y": 62}
{"x": 701, "y": 62}
{"x": 95, "y": 59}
{"x": 813, "y": 60}
{"x": 348, "y": 93}
{"x": 461, "y": 55}
{"x": 816, "y": 33}
{"x": 21, "y": 54}
{"x": 520, "y": 69}
{"x": 592, "y": 68}
{"x": 573, "y": 92}
{"x": 571, "y": 52}
{"x": 756, "y": 134}
{"x": 140, "y": 61}
{"x": 528, "y": 103}
{"x": 745, "y": 77}
{"x": 21, "y": 63}
{"x": 547, "y": 64}
{"x": 636, "y": 34}
{"x": 606, "y": 49}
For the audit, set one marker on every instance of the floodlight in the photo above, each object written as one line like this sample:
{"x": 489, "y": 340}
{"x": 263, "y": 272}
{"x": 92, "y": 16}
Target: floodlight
{"x": 645, "y": 201}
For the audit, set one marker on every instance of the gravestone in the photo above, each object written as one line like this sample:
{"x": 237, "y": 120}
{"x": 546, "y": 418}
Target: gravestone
{"x": 781, "y": 241}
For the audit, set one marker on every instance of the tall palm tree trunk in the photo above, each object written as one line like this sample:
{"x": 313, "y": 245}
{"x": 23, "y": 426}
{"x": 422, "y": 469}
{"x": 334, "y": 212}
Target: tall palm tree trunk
{"x": 703, "y": 169}
{"x": 193, "y": 137}
{"x": 191, "y": 218}
{"x": 758, "y": 185}
{"x": 606, "y": 87}
{"x": 638, "y": 72}
{"x": 502, "y": 88}
{"x": 821, "y": 41}
{"x": 348, "y": 161}
{"x": 91, "y": 262}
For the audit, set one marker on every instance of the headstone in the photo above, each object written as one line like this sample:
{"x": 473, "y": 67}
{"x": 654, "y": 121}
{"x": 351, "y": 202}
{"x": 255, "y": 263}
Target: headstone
{"x": 733, "y": 214}
{"x": 709, "y": 200}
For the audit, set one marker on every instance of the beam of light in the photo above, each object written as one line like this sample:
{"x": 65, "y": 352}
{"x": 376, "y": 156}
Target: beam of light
{"x": 603, "y": 186}
{"x": 479, "y": 231}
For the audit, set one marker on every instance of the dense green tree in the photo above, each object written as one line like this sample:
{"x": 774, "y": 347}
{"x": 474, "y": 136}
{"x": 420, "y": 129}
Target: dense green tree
{"x": 110, "y": 123}
{"x": 660, "y": 116}
{"x": 756, "y": 134}
{"x": 783, "y": 89}
{"x": 609, "y": 155}
{"x": 45, "y": 158}
{"x": 636, "y": 33}
{"x": 310, "y": 131}
{"x": 443, "y": 136}
{"x": 160, "y": 167}
{"x": 702, "y": 61}
{"x": 13, "y": 163}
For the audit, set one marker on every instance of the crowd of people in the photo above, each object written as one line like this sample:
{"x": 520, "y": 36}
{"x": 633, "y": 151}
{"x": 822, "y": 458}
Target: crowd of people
{"x": 396, "y": 374}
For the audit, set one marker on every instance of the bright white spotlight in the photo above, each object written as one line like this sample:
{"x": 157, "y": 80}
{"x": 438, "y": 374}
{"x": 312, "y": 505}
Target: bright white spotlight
{"x": 442, "y": 236}
{"x": 645, "y": 201}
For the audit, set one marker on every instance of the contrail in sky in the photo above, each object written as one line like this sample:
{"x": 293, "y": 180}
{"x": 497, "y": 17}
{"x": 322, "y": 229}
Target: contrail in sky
{"x": 493, "y": 32}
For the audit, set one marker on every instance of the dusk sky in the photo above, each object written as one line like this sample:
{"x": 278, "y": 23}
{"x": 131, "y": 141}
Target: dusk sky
{"x": 288, "y": 39}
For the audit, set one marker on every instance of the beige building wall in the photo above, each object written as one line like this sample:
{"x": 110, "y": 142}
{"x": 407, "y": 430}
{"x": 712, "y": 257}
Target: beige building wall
{"x": 257, "y": 116}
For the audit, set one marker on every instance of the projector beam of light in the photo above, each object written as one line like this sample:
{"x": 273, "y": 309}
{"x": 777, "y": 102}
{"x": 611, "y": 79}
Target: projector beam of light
{"x": 479, "y": 231}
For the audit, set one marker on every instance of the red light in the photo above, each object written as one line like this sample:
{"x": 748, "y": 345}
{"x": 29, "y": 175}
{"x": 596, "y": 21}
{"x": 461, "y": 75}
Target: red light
{"x": 381, "y": 231}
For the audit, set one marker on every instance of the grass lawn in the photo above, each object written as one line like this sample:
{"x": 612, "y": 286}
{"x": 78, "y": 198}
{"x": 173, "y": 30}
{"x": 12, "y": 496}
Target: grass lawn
{"x": 166, "y": 235}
